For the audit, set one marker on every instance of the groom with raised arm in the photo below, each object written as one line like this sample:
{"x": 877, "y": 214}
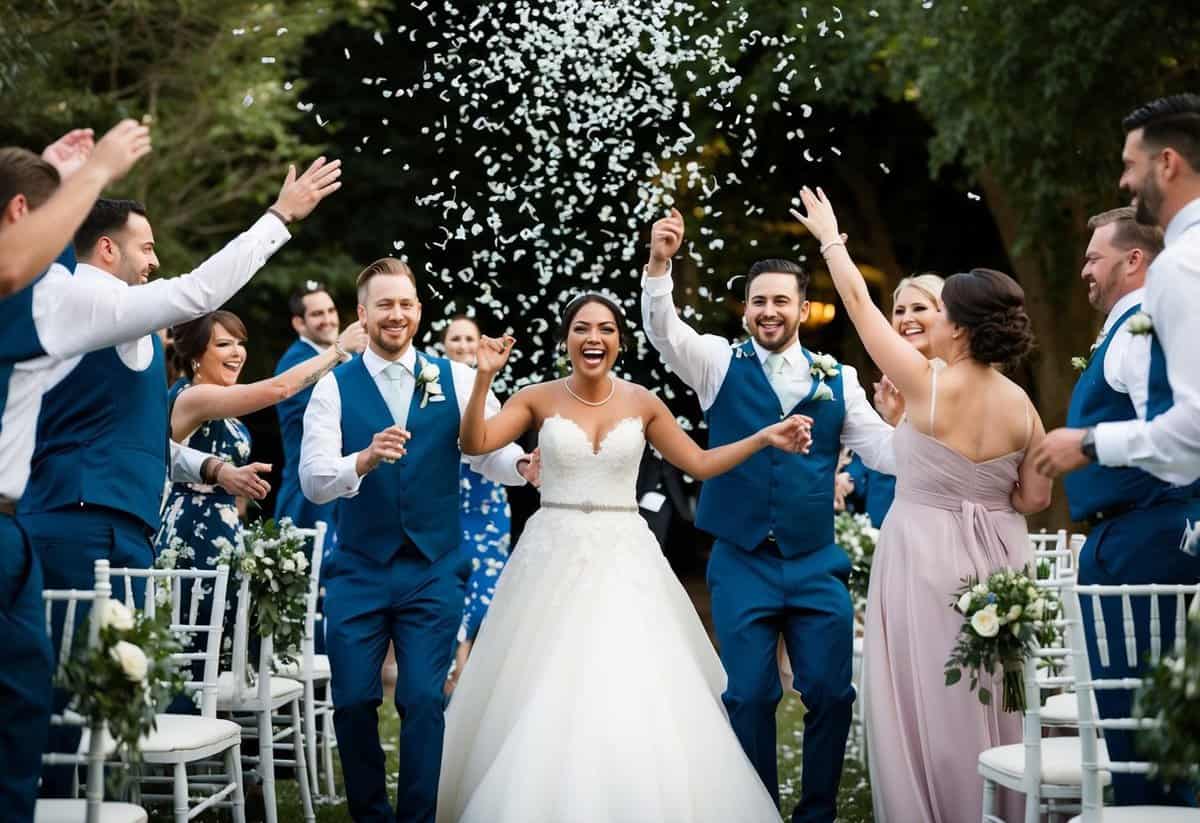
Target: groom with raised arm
{"x": 774, "y": 569}
{"x": 381, "y": 432}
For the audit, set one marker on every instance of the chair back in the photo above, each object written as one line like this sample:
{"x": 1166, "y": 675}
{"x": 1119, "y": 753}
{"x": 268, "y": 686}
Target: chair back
{"x": 1052, "y": 556}
{"x": 170, "y": 589}
{"x": 1167, "y": 605}
{"x": 311, "y": 616}
{"x": 100, "y": 592}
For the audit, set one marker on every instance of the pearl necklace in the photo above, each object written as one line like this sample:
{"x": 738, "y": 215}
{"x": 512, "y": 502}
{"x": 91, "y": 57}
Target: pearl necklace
{"x": 611, "y": 392}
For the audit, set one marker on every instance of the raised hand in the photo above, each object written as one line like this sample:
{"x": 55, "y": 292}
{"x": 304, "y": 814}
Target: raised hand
{"x": 300, "y": 195}
{"x": 492, "y": 354}
{"x": 353, "y": 338}
{"x": 529, "y": 466}
{"x": 888, "y": 400}
{"x": 68, "y": 153}
{"x": 820, "y": 220}
{"x": 666, "y": 236}
{"x": 387, "y": 446}
{"x": 123, "y": 145}
{"x": 792, "y": 434}
{"x": 244, "y": 481}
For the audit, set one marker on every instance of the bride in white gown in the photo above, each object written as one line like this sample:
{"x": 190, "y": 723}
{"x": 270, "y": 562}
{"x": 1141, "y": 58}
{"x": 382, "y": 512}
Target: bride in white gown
{"x": 593, "y": 694}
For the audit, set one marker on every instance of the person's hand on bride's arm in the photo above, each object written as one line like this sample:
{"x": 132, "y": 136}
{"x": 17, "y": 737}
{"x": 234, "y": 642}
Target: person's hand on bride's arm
{"x": 479, "y": 434}
{"x": 1032, "y": 492}
{"x": 907, "y": 367}
{"x": 666, "y": 236}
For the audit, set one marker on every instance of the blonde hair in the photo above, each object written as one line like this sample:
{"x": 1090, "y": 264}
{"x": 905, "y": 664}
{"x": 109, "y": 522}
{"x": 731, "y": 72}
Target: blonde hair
{"x": 928, "y": 283}
{"x": 385, "y": 265}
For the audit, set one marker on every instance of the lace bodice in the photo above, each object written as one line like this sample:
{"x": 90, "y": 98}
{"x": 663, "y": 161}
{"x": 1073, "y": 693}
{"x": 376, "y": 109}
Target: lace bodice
{"x": 575, "y": 474}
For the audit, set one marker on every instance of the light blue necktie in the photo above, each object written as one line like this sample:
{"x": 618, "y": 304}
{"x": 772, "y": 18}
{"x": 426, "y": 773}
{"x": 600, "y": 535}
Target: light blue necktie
{"x": 780, "y": 382}
{"x": 396, "y": 385}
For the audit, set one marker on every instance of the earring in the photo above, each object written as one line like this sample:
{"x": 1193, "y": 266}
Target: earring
{"x": 195, "y": 366}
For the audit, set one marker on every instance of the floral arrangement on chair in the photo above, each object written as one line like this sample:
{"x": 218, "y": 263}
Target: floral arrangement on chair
{"x": 1170, "y": 695}
{"x": 274, "y": 558}
{"x": 127, "y": 677}
{"x": 1005, "y": 618}
{"x": 857, "y": 537}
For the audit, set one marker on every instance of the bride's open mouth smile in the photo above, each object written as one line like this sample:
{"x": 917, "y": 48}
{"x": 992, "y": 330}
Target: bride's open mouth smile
{"x": 593, "y": 355}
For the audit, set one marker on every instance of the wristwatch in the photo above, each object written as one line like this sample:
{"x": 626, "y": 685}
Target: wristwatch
{"x": 1088, "y": 445}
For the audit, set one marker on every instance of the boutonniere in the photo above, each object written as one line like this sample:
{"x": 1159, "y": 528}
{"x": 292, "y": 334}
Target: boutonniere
{"x": 741, "y": 351}
{"x": 427, "y": 382}
{"x": 1081, "y": 363}
{"x": 1140, "y": 323}
{"x": 823, "y": 365}
{"x": 823, "y": 392}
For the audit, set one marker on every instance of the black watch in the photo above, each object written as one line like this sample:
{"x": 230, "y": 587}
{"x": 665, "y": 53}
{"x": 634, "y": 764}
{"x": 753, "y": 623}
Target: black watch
{"x": 1088, "y": 445}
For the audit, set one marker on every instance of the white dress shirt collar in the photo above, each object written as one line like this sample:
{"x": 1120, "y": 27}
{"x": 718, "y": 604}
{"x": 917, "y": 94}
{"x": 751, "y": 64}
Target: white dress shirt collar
{"x": 87, "y": 271}
{"x": 316, "y": 346}
{"x": 375, "y": 364}
{"x": 1121, "y": 306}
{"x": 793, "y": 355}
{"x": 1186, "y": 217}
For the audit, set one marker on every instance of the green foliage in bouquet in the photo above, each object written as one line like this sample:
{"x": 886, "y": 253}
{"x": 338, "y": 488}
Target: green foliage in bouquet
{"x": 1005, "y": 619}
{"x": 274, "y": 558}
{"x": 127, "y": 678}
{"x": 1170, "y": 694}
{"x": 857, "y": 537}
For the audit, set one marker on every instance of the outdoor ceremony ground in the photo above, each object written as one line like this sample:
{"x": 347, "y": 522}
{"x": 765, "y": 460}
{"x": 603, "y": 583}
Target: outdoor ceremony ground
{"x": 854, "y": 807}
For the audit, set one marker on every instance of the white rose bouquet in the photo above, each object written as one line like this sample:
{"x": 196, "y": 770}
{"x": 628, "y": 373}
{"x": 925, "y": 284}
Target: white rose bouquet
{"x": 274, "y": 557}
{"x": 128, "y": 677}
{"x": 1004, "y": 619}
{"x": 857, "y": 537}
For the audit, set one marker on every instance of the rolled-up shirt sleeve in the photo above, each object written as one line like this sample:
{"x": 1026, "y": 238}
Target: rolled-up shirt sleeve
{"x": 73, "y": 317}
{"x": 864, "y": 432}
{"x": 187, "y": 463}
{"x": 325, "y": 473}
{"x": 499, "y": 466}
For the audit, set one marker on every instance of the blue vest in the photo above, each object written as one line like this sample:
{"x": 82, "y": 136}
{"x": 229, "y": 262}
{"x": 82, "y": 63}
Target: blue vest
{"x": 787, "y": 496}
{"x": 290, "y": 501}
{"x": 102, "y": 439}
{"x": 1096, "y": 488}
{"x": 874, "y": 491}
{"x": 417, "y": 496}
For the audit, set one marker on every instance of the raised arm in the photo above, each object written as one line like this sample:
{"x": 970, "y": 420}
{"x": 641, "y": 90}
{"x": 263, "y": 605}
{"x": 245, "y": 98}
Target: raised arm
{"x": 73, "y": 318}
{"x": 85, "y": 169}
{"x": 210, "y": 402}
{"x": 905, "y": 366}
{"x": 477, "y": 433}
{"x": 792, "y": 434}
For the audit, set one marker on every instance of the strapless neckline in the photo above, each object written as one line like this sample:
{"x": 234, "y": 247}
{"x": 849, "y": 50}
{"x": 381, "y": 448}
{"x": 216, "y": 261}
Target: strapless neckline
{"x": 596, "y": 448}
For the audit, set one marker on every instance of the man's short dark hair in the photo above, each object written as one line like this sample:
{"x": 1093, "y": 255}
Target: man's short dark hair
{"x": 778, "y": 266}
{"x": 1129, "y": 234}
{"x": 1170, "y": 122}
{"x": 296, "y": 299}
{"x": 106, "y": 218}
{"x": 23, "y": 172}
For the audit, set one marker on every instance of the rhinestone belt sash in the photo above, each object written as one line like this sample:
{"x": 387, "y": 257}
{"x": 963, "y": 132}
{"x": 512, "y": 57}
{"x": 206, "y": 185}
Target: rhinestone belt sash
{"x": 588, "y": 508}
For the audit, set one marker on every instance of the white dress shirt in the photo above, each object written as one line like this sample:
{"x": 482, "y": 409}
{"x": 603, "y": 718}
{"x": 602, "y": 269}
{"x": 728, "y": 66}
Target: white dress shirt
{"x": 74, "y": 315}
{"x": 1127, "y": 361}
{"x": 1169, "y": 445}
{"x": 702, "y": 361}
{"x": 326, "y": 474}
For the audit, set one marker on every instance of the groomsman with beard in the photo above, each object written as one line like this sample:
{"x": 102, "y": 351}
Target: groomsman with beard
{"x": 774, "y": 569}
{"x": 381, "y": 438}
{"x": 315, "y": 321}
{"x": 1132, "y": 445}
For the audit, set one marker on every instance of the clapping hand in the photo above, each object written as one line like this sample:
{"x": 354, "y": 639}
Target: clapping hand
{"x": 666, "y": 237}
{"x": 68, "y": 153}
{"x": 492, "y": 354}
{"x": 300, "y": 195}
{"x": 353, "y": 338}
{"x": 792, "y": 434}
{"x": 820, "y": 220}
{"x": 123, "y": 145}
{"x": 387, "y": 446}
{"x": 888, "y": 401}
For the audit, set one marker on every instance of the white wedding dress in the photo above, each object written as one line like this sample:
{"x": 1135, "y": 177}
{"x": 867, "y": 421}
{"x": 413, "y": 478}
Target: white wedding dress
{"x": 593, "y": 694}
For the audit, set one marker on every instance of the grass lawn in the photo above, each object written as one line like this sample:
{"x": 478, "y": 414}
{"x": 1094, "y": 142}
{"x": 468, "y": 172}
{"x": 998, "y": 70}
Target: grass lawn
{"x": 854, "y": 807}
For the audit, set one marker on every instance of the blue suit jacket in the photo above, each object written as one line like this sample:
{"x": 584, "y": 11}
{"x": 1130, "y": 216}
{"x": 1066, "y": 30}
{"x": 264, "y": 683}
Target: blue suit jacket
{"x": 290, "y": 501}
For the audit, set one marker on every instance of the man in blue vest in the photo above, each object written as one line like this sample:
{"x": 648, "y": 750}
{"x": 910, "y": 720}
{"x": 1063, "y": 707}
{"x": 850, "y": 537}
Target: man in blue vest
{"x": 315, "y": 321}
{"x": 1136, "y": 520}
{"x": 774, "y": 569}
{"x": 381, "y": 437}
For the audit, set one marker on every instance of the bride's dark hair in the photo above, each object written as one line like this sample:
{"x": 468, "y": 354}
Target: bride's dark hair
{"x": 578, "y": 302}
{"x": 991, "y": 307}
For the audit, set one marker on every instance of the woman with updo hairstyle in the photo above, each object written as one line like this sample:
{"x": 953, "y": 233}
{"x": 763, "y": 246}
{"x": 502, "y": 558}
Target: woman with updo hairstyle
{"x": 486, "y": 517}
{"x": 964, "y": 483}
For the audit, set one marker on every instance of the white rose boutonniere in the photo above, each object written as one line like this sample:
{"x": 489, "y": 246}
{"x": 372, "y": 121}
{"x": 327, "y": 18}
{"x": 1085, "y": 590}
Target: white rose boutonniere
{"x": 427, "y": 381}
{"x": 823, "y": 365}
{"x": 1140, "y": 324}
